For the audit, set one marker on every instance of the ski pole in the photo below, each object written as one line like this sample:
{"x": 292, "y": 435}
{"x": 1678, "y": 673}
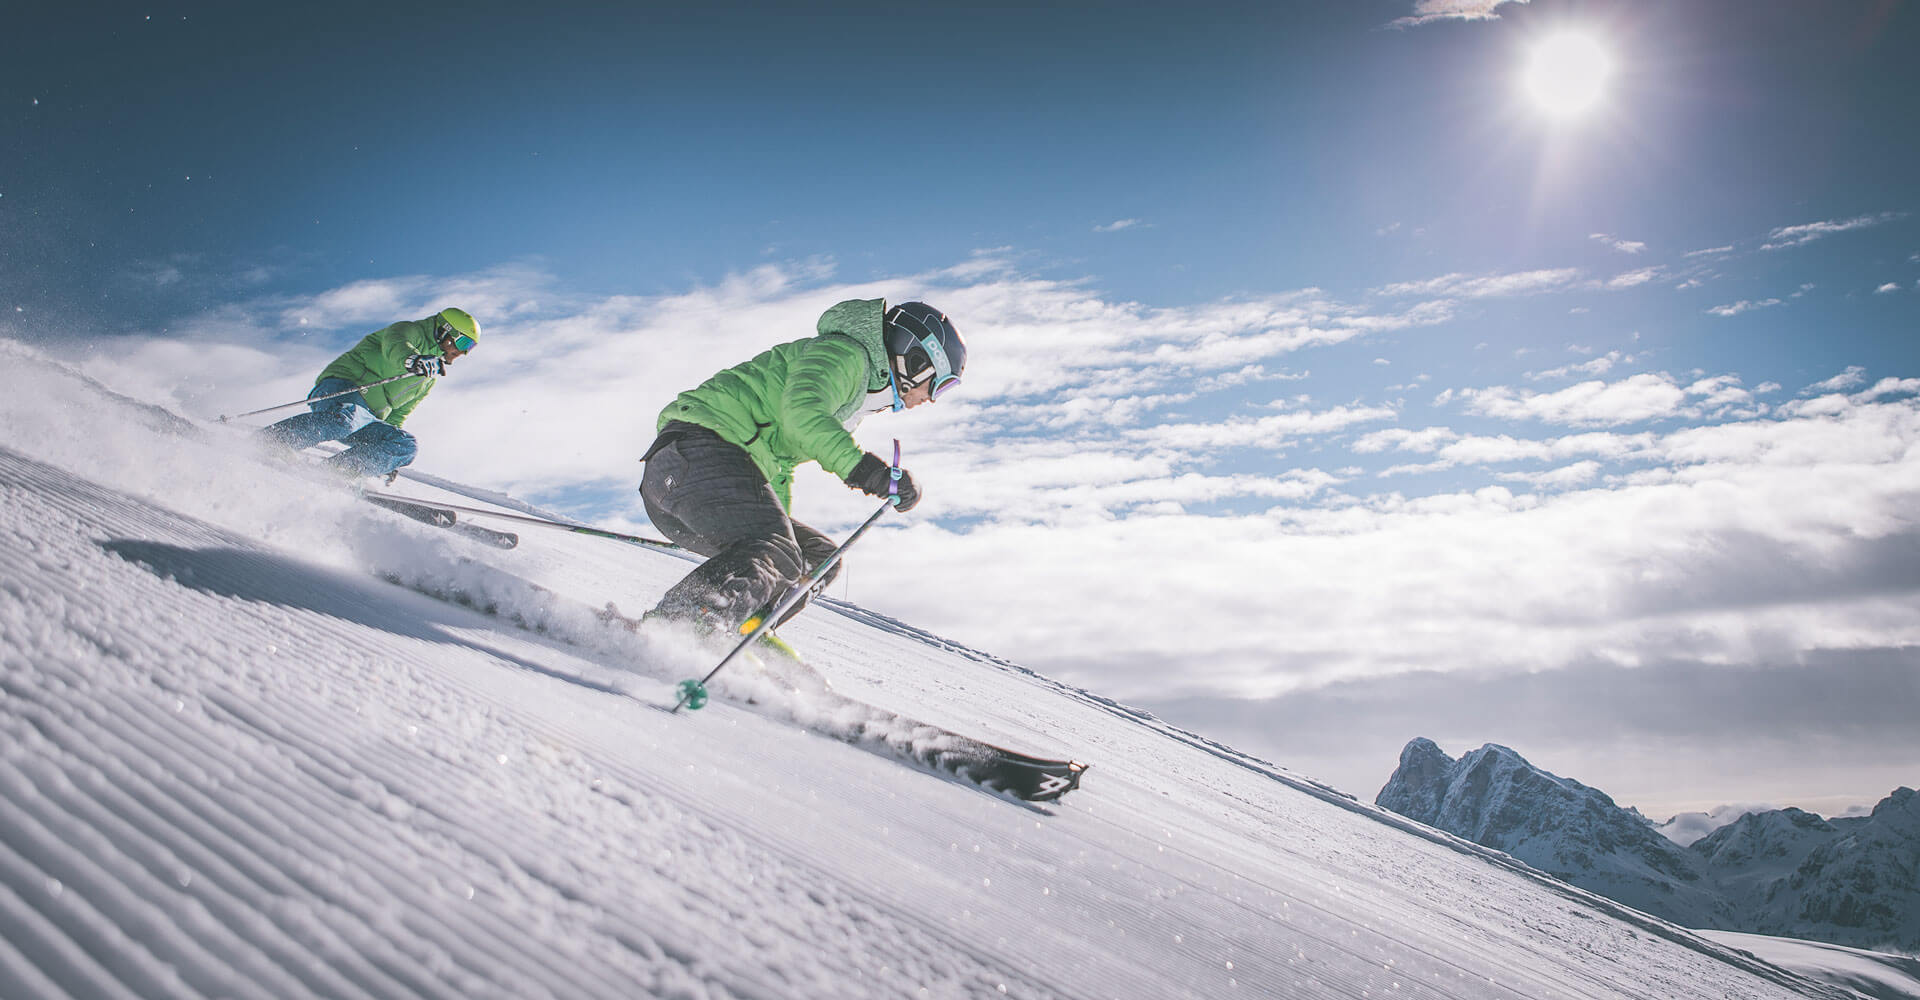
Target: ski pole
{"x": 694, "y": 693}
{"x": 653, "y": 543}
{"x": 316, "y": 399}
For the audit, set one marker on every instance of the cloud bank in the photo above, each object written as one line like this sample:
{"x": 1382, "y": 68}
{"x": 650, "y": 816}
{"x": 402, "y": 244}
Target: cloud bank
{"x": 1429, "y": 11}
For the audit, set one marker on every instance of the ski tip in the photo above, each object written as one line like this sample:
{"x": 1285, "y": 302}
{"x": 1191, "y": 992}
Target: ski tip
{"x": 1048, "y": 785}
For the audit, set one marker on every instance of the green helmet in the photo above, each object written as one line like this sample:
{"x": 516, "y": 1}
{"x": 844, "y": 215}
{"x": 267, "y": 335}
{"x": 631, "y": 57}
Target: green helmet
{"x": 460, "y": 323}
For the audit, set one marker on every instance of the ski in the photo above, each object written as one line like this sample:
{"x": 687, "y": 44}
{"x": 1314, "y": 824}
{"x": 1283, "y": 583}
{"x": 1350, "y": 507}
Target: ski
{"x": 876, "y": 730}
{"x": 1034, "y": 779}
{"x": 440, "y": 517}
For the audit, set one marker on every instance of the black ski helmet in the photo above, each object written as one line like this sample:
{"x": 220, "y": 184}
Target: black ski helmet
{"x": 922, "y": 344}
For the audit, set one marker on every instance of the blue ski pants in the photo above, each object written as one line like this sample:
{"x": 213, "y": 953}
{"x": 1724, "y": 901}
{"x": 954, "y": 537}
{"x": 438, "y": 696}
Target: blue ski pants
{"x": 374, "y": 447}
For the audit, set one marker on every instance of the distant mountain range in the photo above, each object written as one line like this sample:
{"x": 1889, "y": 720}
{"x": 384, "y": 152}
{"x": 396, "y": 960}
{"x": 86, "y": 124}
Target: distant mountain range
{"x": 1784, "y": 872}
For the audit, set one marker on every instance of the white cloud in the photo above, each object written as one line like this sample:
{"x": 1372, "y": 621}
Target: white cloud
{"x": 1637, "y": 398}
{"x": 1710, "y": 251}
{"x": 1793, "y": 236}
{"x": 1853, "y": 376}
{"x": 1117, "y": 225}
{"x": 1888, "y": 388}
{"x": 1646, "y": 396}
{"x": 1565, "y": 477}
{"x": 1624, "y": 246}
{"x": 1719, "y": 392}
{"x": 1889, "y": 287}
{"x": 1246, "y": 375}
{"x": 1502, "y": 449}
{"x": 1632, "y": 279}
{"x": 1485, "y": 286}
{"x": 1428, "y": 11}
{"x": 1401, "y": 439}
{"x": 1597, "y": 366}
{"x": 1279, "y": 431}
{"x": 1742, "y": 306}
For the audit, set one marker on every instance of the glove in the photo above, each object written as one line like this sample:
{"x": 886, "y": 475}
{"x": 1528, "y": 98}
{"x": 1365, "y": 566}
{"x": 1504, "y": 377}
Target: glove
{"x": 874, "y": 477}
{"x": 420, "y": 364}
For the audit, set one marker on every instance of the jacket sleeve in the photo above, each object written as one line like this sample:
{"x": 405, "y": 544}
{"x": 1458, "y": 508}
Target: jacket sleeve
{"x": 391, "y": 348}
{"x": 830, "y": 372}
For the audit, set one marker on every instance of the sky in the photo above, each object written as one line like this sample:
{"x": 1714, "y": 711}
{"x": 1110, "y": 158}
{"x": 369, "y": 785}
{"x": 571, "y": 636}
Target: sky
{"x": 1326, "y": 389}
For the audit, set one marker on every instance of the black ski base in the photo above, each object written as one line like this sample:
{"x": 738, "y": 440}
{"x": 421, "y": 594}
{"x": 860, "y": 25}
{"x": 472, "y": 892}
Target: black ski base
{"x": 1034, "y": 779}
{"x": 442, "y": 518}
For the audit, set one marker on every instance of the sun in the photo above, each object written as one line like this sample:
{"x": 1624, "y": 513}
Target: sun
{"x": 1567, "y": 74}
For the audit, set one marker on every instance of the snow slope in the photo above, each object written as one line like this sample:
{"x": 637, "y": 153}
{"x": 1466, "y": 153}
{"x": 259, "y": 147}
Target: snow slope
{"x": 1870, "y": 973}
{"x": 242, "y": 759}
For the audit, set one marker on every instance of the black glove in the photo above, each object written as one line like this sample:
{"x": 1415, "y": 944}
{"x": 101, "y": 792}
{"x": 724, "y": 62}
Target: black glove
{"x": 420, "y": 364}
{"x": 874, "y": 477}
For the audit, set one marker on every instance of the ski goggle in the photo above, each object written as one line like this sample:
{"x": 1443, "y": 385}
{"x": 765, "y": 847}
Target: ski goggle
{"x": 461, "y": 342}
{"x": 940, "y": 372}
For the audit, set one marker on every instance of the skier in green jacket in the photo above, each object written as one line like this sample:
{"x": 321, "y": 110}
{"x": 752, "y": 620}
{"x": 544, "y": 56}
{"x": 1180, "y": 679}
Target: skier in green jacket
{"x": 719, "y": 476}
{"x": 369, "y": 421}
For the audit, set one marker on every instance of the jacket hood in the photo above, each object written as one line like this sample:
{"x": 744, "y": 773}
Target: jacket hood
{"x": 863, "y": 320}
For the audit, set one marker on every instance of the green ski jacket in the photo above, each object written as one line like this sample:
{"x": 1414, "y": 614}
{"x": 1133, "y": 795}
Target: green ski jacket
{"x": 791, "y": 404}
{"x": 383, "y": 354}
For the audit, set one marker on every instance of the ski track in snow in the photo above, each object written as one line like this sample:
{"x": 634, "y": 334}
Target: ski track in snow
{"x": 238, "y": 762}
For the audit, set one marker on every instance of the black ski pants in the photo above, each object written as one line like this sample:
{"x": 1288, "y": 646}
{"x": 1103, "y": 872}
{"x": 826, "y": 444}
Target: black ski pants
{"x": 705, "y": 493}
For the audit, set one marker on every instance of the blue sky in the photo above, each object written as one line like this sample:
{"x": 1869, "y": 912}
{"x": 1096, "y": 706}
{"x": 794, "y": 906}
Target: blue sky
{"x": 1326, "y": 391}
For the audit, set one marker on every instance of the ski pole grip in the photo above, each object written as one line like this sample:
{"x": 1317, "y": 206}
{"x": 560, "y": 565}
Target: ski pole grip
{"x": 893, "y": 487}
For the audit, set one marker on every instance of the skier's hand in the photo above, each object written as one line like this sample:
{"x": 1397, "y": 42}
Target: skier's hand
{"x": 420, "y": 364}
{"x": 909, "y": 493}
{"x": 874, "y": 477}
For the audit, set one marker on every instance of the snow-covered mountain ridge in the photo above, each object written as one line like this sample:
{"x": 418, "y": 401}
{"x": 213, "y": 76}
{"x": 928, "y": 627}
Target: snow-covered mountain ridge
{"x": 243, "y": 755}
{"x": 1782, "y": 872}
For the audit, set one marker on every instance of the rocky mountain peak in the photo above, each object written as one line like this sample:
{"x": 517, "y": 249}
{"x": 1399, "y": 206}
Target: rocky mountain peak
{"x": 1494, "y": 797}
{"x": 1774, "y": 871}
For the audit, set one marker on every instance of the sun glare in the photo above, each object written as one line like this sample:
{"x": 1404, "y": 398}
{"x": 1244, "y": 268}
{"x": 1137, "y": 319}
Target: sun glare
{"x": 1567, "y": 74}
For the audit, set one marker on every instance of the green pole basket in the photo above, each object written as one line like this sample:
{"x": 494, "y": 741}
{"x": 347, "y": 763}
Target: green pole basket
{"x": 693, "y": 694}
